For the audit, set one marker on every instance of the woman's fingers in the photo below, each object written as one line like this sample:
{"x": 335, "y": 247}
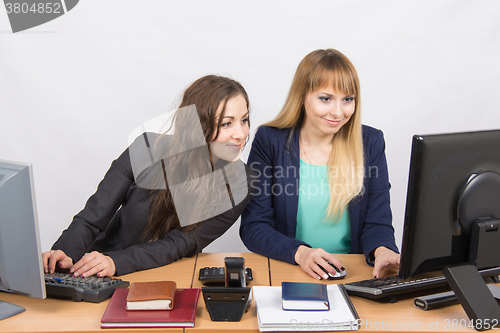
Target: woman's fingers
{"x": 52, "y": 257}
{"x": 311, "y": 260}
{"x": 94, "y": 263}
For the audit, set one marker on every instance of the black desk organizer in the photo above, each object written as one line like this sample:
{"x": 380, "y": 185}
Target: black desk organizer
{"x": 226, "y": 303}
{"x": 230, "y": 302}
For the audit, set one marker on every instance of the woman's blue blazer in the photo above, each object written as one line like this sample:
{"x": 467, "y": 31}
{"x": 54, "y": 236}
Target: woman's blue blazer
{"x": 269, "y": 222}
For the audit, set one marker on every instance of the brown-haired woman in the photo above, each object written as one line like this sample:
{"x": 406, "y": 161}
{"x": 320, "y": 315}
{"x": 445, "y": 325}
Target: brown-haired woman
{"x": 147, "y": 210}
{"x": 323, "y": 180}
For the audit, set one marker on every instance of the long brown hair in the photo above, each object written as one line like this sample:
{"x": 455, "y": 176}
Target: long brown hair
{"x": 330, "y": 68}
{"x": 207, "y": 94}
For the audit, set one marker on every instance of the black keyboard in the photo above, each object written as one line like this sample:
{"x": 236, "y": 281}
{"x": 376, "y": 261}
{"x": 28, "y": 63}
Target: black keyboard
{"x": 217, "y": 275}
{"x": 392, "y": 285}
{"x": 90, "y": 289}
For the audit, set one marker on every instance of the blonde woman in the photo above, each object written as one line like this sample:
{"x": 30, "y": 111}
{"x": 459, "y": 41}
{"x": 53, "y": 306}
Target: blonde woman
{"x": 323, "y": 182}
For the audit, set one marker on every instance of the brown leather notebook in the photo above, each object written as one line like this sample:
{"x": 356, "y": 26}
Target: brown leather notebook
{"x": 157, "y": 295}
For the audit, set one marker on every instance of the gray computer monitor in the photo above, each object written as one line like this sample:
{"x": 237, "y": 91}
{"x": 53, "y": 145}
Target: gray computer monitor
{"x": 21, "y": 269}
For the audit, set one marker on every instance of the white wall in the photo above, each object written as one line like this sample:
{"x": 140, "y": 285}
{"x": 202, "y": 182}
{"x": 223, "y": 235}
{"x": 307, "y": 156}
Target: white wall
{"x": 71, "y": 90}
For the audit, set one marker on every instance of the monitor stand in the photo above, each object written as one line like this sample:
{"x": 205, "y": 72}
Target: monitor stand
{"x": 8, "y": 310}
{"x": 468, "y": 285}
{"x": 478, "y": 214}
{"x": 474, "y": 296}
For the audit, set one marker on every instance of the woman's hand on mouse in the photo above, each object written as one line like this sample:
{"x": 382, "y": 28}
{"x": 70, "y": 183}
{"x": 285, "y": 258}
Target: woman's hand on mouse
{"x": 311, "y": 259}
{"x": 384, "y": 258}
{"x": 94, "y": 263}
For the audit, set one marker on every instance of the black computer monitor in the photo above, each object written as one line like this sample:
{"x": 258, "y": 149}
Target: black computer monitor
{"x": 21, "y": 269}
{"x": 452, "y": 213}
{"x": 439, "y": 213}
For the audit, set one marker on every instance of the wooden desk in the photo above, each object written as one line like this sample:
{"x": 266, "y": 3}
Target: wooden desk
{"x": 248, "y": 323}
{"x": 55, "y": 315}
{"x": 378, "y": 316}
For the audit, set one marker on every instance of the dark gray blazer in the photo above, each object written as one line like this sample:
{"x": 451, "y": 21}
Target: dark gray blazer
{"x": 113, "y": 219}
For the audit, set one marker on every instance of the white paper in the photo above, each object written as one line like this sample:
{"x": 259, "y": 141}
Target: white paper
{"x": 272, "y": 317}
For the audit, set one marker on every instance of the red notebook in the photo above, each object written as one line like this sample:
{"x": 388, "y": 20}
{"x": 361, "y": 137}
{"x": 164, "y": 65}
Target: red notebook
{"x": 182, "y": 315}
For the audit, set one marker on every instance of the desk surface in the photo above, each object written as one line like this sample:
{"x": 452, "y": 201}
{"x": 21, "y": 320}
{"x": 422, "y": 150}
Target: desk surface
{"x": 379, "y": 316}
{"x": 53, "y": 315}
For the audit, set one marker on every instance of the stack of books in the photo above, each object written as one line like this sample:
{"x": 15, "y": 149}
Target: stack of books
{"x": 151, "y": 304}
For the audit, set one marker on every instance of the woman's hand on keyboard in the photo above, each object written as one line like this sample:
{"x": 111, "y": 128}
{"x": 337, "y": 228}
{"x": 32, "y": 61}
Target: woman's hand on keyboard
{"x": 384, "y": 258}
{"x": 94, "y": 263}
{"x": 53, "y": 257}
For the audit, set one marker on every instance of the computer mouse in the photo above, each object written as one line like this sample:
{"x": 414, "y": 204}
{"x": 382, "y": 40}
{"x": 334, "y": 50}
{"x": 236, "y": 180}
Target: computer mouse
{"x": 338, "y": 273}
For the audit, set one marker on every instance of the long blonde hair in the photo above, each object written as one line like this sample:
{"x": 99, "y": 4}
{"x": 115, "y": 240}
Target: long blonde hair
{"x": 330, "y": 68}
